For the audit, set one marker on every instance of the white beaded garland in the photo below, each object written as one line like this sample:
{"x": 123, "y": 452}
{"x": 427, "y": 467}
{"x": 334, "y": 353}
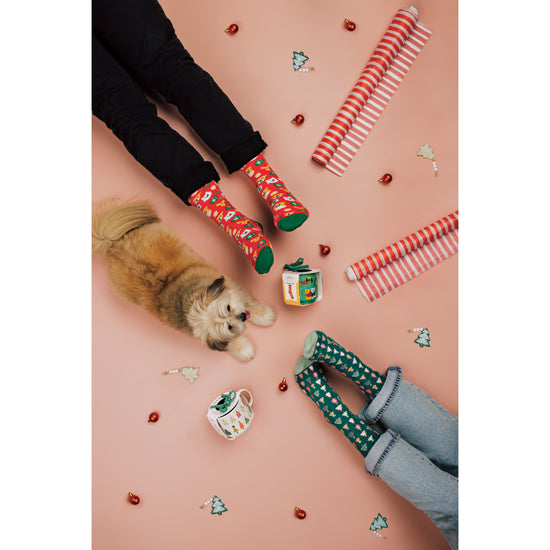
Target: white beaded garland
{"x": 206, "y": 503}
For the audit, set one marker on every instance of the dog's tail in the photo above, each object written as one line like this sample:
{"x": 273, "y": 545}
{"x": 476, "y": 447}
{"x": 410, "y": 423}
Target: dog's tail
{"x": 112, "y": 219}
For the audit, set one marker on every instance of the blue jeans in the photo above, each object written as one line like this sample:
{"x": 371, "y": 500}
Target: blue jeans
{"x": 417, "y": 455}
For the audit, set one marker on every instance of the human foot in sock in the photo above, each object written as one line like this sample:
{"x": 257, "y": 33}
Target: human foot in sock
{"x": 320, "y": 347}
{"x": 248, "y": 234}
{"x": 288, "y": 212}
{"x": 314, "y": 384}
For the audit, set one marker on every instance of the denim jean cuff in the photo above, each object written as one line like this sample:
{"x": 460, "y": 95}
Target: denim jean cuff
{"x": 372, "y": 411}
{"x": 239, "y": 155}
{"x": 379, "y": 451}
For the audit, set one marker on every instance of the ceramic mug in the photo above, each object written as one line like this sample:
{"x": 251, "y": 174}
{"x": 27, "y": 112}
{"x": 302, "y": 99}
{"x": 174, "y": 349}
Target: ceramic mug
{"x": 231, "y": 413}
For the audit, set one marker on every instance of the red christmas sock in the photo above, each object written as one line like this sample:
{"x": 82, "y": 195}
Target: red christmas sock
{"x": 288, "y": 212}
{"x": 248, "y": 234}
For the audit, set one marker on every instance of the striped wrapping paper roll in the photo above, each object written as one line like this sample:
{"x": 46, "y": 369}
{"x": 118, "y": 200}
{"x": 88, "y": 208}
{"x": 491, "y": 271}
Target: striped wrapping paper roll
{"x": 400, "y": 262}
{"x": 388, "y": 65}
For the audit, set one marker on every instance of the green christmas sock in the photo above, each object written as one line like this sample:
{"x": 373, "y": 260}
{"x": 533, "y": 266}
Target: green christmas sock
{"x": 320, "y": 347}
{"x": 313, "y": 383}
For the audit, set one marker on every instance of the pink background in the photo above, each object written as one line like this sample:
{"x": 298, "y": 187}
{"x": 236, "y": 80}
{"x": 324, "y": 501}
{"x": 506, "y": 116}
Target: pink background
{"x": 290, "y": 456}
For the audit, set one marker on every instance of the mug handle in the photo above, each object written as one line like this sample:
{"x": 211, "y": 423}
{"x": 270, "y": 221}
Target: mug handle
{"x": 248, "y": 401}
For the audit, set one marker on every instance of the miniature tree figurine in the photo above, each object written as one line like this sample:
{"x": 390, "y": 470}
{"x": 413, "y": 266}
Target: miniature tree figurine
{"x": 298, "y": 59}
{"x": 423, "y": 338}
{"x": 378, "y": 523}
{"x": 426, "y": 152}
{"x": 218, "y": 507}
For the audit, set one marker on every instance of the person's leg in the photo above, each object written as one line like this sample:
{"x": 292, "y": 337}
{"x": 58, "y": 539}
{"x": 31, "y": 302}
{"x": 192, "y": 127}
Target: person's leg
{"x": 122, "y": 105}
{"x": 119, "y": 102}
{"x": 210, "y": 200}
{"x": 320, "y": 347}
{"x": 143, "y": 38}
{"x": 417, "y": 417}
{"x": 312, "y": 381}
{"x": 387, "y": 455}
{"x": 393, "y": 402}
{"x": 413, "y": 476}
{"x": 288, "y": 212}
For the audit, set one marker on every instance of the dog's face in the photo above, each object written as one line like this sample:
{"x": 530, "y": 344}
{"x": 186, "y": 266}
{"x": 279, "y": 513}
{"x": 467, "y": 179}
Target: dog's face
{"x": 218, "y": 315}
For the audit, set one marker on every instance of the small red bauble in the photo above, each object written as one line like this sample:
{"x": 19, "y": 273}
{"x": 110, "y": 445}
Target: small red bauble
{"x": 153, "y": 417}
{"x": 133, "y": 499}
{"x": 299, "y": 513}
{"x": 324, "y": 249}
{"x": 232, "y": 29}
{"x": 283, "y": 386}
{"x": 349, "y": 25}
{"x": 298, "y": 119}
{"x": 386, "y": 178}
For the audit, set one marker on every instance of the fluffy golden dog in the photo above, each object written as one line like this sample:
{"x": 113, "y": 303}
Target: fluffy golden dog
{"x": 151, "y": 266}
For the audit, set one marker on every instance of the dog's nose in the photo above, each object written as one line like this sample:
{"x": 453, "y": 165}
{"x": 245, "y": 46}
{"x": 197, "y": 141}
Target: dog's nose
{"x": 242, "y": 316}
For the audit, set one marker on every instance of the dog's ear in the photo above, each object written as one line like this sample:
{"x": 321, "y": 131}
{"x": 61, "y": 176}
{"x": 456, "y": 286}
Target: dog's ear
{"x": 217, "y": 345}
{"x": 217, "y": 287}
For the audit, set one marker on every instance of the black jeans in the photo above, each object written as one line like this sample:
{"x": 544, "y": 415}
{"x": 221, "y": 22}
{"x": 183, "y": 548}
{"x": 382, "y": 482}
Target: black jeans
{"x": 135, "y": 47}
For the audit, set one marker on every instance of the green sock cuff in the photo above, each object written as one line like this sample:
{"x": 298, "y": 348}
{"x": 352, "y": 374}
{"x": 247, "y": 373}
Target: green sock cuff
{"x": 309, "y": 343}
{"x": 302, "y": 364}
{"x": 264, "y": 261}
{"x": 292, "y": 222}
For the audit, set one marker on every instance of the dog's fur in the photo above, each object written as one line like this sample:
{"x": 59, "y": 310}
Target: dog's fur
{"x": 151, "y": 266}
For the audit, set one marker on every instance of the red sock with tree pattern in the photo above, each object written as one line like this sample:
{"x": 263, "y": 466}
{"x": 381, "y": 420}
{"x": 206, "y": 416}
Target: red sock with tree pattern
{"x": 288, "y": 212}
{"x": 247, "y": 233}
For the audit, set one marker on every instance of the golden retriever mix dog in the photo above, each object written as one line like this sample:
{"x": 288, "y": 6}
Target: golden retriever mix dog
{"x": 151, "y": 266}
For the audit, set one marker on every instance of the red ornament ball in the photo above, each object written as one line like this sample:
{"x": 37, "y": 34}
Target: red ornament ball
{"x": 133, "y": 499}
{"x": 298, "y": 119}
{"x": 283, "y": 386}
{"x": 386, "y": 178}
{"x": 324, "y": 249}
{"x": 299, "y": 513}
{"x": 153, "y": 417}
{"x": 349, "y": 25}
{"x": 232, "y": 29}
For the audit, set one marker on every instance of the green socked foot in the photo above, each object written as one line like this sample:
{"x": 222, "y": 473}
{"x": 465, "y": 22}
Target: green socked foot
{"x": 264, "y": 261}
{"x": 292, "y": 222}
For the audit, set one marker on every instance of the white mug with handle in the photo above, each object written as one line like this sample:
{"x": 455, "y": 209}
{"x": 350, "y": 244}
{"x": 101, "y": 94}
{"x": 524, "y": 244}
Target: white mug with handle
{"x": 231, "y": 413}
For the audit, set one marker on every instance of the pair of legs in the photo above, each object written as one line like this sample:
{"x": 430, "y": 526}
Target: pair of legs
{"x": 133, "y": 41}
{"x": 407, "y": 439}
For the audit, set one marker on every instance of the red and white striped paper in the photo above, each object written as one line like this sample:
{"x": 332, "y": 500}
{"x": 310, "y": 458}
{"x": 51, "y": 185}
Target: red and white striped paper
{"x": 400, "y": 262}
{"x": 387, "y": 67}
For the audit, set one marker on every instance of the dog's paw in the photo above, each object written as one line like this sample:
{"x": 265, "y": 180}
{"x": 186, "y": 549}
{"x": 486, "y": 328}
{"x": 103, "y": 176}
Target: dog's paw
{"x": 241, "y": 348}
{"x": 263, "y": 315}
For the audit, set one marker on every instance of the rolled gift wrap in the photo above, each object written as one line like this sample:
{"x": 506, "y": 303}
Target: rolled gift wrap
{"x": 397, "y": 264}
{"x": 388, "y": 65}
{"x": 404, "y": 246}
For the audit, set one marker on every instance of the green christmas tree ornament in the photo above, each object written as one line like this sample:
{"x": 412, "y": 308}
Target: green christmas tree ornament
{"x": 379, "y": 522}
{"x": 423, "y": 339}
{"x": 298, "y": 59}
{"x": 218, "y": 507}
